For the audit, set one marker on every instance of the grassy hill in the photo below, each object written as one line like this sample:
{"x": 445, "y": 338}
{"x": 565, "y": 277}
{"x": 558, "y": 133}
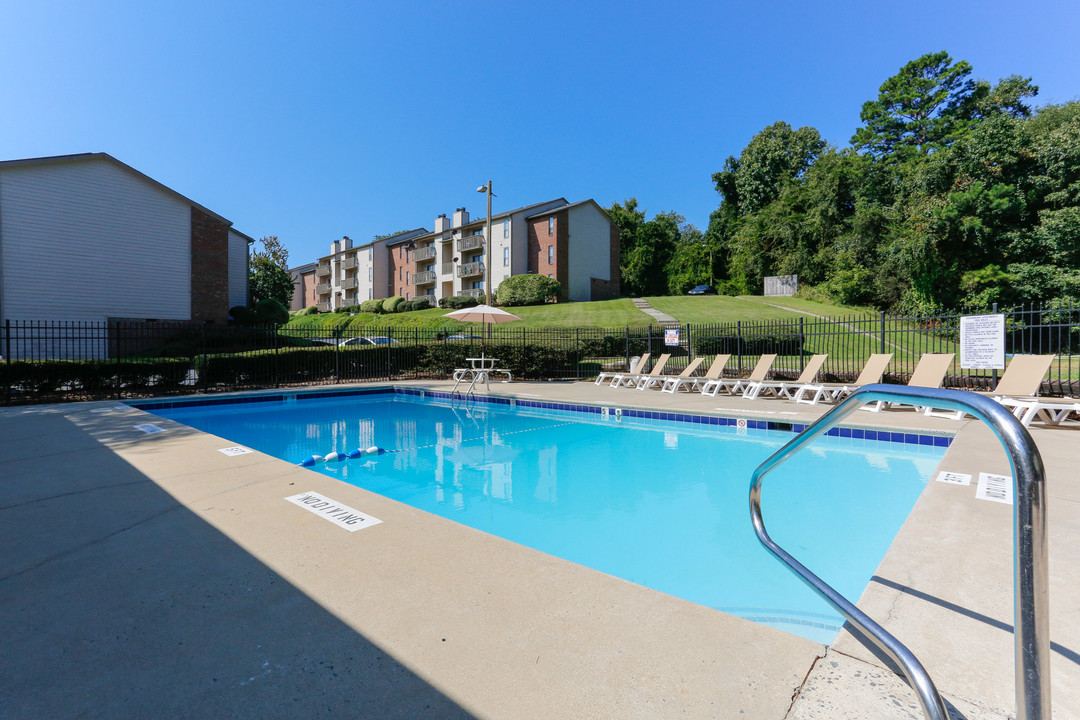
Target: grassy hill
{"x": 602, "y": 313}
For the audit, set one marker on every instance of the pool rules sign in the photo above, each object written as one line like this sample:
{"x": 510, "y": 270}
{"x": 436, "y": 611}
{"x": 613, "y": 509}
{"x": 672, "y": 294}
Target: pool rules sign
{"x": 982, "y": 342}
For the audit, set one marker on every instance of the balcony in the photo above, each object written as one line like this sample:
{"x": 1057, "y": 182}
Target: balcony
{"x": 477, "y": 293}
{"x": 348, "y": 263}
{"x": 424, "y": 277}
{"x": 471, "y": 269}
{"x": 325, "y": 306}
{"x": 322, "y": 270}
{"x": 424, "y": 253}
{"x": 470, "y": 243}
{"x": 348, "y": 283}
{"x": 447, "y": 269}
{"x": 322, "y": 288}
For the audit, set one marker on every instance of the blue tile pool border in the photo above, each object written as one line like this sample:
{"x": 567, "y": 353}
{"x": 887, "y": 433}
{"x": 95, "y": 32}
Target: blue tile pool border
{"x": 906, "y": 438}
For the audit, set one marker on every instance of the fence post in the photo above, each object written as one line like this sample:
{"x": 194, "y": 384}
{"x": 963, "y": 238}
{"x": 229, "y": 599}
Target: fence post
{"x": 738, "y": 345}
{"x": 993, "y": 373}
{"x": 627, "y": 347}
{"x": 883, "y": 331}
{"x": 7, "y": 341}
{"x": 802, "y": 341}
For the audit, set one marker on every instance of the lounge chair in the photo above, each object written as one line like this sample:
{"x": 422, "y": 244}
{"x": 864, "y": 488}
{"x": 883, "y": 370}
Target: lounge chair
{"x": 928, "y": 373}
{"x": 1018, "y": 385}
{"x": 629, "y": 380}
{"x": 647, "y": 382}
{"x": 785, "y": 387}
{"x": 872, "y": 372}
{"x": 672, "y": 385}
{"x": 734, "y": 385}
{"x": 635, "y": 369}
{"x": 1051, "y": 411}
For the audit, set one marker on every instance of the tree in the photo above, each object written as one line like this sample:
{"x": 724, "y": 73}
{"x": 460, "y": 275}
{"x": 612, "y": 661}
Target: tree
{"x": 916, "y": 110}
{"x": 774, "y": 157}
{"x": 268, "y": 276}
{"x": 644, "y": 247}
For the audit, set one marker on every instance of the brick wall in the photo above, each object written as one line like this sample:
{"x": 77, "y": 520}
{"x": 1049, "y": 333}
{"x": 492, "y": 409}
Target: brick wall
{"x": 209, "y": 268}
{"x": 401, "y": 262}
{"x": 543, "y": 233}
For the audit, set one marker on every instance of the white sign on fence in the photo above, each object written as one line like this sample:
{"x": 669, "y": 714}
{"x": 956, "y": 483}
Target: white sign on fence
{"x": 982, "y": 342}
{"x": 671, "y": 337}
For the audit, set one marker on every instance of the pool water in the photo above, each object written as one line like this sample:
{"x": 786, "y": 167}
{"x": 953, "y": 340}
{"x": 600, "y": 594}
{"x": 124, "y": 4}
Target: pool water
{"x": 660, "y": 503}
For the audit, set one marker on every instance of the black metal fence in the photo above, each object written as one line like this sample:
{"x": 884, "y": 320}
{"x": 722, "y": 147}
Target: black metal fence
{"x": 50, "y": 360}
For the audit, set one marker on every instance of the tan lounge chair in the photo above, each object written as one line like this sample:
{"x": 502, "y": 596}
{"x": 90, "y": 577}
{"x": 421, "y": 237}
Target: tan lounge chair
{"x": 734, "y": 385}
{"x": 629, "y": 380}
{"x": 928, "y": 373}
{"x": 1018, "y": 385}
{"x": 635, "y": 369}
{"x": 691, "y": 384}
{"x": 785, "y": 387}
{"x": 872, "y": 372}
{"x": 647, "y": 382}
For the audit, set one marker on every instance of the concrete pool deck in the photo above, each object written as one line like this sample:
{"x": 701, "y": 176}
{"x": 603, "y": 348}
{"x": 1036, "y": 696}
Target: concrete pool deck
{"x": 149, "y": 575}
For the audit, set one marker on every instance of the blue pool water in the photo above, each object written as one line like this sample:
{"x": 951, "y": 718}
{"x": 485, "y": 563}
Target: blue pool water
{"x": 659, "y": 503}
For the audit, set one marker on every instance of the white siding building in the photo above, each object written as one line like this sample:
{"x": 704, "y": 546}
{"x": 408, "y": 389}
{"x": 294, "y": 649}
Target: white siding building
{"x": 88, "y": 238}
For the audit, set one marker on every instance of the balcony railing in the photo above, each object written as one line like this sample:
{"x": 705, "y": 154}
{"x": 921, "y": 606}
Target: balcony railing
{"x": 348, "y": 263}
{"x": 348, "y": 283}
{"x": 322, "y": 288}
{"x": 471, "y": 269}
{"x": 322, "y": 270}
{"x": 473, "y": 293}
{"x": 424, "y": 253}
{"x": 424, "y": 277}
{"x": 447, "y": 269}
{"x": 325, "y": 306}
{"x": 470, "y": 242}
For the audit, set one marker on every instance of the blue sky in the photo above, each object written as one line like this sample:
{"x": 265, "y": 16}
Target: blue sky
{"x": 313, "y": 120}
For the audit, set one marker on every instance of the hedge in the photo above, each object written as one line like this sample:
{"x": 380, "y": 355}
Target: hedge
{"x": 32, "y": 378}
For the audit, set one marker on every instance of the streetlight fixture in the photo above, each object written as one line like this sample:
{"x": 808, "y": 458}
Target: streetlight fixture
{"x": 487, "y": 243}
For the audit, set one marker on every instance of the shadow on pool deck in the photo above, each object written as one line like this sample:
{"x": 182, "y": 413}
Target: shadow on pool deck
{"x": 116, "y": 601}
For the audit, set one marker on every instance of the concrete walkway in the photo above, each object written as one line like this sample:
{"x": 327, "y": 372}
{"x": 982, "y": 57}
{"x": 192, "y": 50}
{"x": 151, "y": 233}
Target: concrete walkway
{"x": 663, "y": 318}
{"x": 150, "y": 575}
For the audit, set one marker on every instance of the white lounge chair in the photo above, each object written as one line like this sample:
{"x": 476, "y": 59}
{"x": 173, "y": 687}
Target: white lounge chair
{"x": 672, "y": 385}
{"x": 872, "y": 372}
{"x": 647, "y": 382}
{"x": 734, "y": 385}
{"x": 1051, "y": 411}
{"x": 1018, "y": 385}
{"x": 784, "y": 388}
{"x": 629, "y": 380}
{"x": 635, "y": 369}
{"x": 928, "y": 373}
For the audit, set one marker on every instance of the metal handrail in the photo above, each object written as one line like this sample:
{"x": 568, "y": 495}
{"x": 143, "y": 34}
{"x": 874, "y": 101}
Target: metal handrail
{"x": 1030, "y": 596}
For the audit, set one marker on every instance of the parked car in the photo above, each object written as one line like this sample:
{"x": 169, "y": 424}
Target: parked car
{"x": 373, "y": 340}
{"x": 702, "y": 290}
{"x": 464, "y": 337}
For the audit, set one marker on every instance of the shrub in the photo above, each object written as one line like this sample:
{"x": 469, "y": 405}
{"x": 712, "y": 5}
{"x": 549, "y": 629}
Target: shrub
{"x": 244, "y": 315}
{"x": 371, "y": 306}
{"x": 310, "y": 310}
{"x": 529, "y": 289}
{"x": 418, "y": 304}
{"x": 349, "y": 309}
{"x": 456, "y": 302}
{"x": 271, "y": 311}
{"x": 393, "y": 304}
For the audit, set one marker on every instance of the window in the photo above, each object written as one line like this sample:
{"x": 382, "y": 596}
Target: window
{"x": 551, "y": 225}
{"x": 369, "y": 292}
{"x": 551, "y": 254}
{"x": 369, "y": 256}
{"x": 369, "y": 275}
{"x": 506, "y": 228}
{"x": 506, "y": 257}
{"x": 399, "y": 271}
{"x": 550, "y": 275}
{"x": 406, "y": 277}
{"x": 406, "y": 296}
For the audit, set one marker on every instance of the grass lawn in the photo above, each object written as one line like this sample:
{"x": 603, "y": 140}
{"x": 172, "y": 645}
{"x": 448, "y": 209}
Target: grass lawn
{"x": 701, "y": 309}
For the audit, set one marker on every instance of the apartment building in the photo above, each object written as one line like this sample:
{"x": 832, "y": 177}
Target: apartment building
{"x": 578, "y": 238}
{"x": 87, "y": 237}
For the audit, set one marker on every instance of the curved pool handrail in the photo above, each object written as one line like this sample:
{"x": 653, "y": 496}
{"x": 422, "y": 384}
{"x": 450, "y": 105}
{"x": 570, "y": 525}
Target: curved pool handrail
{"x": 1030, "y": 569}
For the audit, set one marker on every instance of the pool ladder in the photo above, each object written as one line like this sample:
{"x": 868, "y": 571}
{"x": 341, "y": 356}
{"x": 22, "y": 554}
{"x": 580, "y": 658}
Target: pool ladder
{"x": 1030, "y": 598}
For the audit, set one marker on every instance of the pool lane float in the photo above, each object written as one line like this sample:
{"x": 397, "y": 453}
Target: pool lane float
{"x": 336, "y": 457}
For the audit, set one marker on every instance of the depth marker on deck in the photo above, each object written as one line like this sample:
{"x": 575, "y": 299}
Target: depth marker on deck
{"x": 997, "y": 488}
{"x": 954, "y": 478}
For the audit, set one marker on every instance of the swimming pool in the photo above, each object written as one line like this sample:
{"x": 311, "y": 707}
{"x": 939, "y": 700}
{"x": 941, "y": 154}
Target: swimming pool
{"x": 659, "y": 502}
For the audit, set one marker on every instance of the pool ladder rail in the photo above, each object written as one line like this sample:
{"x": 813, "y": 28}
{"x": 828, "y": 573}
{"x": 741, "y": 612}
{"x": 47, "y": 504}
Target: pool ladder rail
{"x": 1030, "y": 569}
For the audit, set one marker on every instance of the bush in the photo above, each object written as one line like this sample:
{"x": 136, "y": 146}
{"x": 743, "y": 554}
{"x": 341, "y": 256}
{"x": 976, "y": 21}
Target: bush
{"x": 349, "y": 309}
{"x": 418, "y": 304}
{"x": 310, "y": 310}
{"x": 371, "y": 306}
{"x": 393, "y": 304}
{"x": 786, "y": 344}
{"x": 456, "y": 302}
{"x": 271, "y": 311}
{"x": 529, "y": 289}
{"x": 244, "y": 315}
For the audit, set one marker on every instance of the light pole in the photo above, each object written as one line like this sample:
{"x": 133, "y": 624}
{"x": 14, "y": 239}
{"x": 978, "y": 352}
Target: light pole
{"x": 487, "y": 243}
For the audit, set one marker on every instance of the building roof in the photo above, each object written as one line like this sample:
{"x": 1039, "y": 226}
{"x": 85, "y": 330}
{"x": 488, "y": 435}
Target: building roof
{"x": 561, "y": 208}
{"x": 86, "y": 157}
{"x": 477, "y": 222}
